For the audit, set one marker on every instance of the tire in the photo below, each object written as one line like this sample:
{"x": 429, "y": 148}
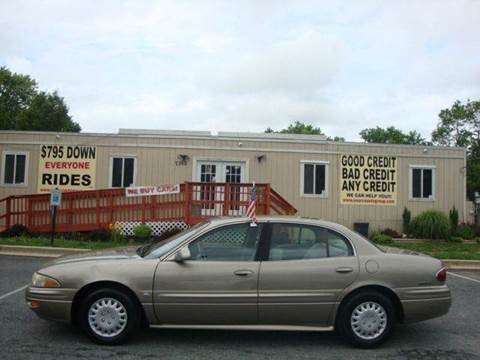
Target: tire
{"x": 366, "y": 319}
{"x": 109, "y": 316}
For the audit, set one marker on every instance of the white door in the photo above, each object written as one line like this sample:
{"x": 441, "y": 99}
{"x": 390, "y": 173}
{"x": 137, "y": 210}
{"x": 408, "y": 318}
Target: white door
{"x": 232, "y": 172}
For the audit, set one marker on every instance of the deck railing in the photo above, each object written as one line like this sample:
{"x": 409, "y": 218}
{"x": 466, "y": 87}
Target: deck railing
{"x": 97, "y": 209}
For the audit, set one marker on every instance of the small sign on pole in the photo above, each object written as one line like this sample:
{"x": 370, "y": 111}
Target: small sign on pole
{"x": 55, "y": 201}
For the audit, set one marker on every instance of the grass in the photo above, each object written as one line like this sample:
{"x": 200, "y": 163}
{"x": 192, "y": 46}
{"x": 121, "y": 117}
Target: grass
{"x": 443, "y": 250}
{"x": 65, "y": 243}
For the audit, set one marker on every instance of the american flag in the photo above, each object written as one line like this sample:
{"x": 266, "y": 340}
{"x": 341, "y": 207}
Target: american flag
{"x": 252, "y": 205}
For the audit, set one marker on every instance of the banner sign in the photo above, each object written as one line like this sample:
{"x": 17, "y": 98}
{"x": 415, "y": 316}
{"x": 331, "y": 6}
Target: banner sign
{"x": 66, "y": 167}
{"x": 152, "y": 190}
{"x": 368, "y": 180}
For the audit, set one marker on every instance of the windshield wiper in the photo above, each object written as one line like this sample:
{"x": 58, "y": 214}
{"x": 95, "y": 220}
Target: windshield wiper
{"x": 142, "y": 250}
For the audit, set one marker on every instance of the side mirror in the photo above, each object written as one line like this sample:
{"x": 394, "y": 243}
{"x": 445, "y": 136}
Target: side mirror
{"x": 182, "y": 255}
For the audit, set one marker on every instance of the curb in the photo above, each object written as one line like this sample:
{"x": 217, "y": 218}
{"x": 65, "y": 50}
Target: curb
{"x": 38, "y": 251}
{"x": 462, "y": 264}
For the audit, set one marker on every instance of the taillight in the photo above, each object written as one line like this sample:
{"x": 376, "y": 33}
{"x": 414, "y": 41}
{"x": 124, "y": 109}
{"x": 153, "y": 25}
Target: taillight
{"x": 441, "y": 274}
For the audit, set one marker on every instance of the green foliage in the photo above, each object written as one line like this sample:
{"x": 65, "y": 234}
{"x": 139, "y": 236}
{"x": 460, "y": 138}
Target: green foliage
{"x": 16, "y": 93}
{"x": 391, "y": 232}
{"x": 16, "y": 231}
{"x": 142, "y": 232}
{"x": 430, "y": 224}
{"x": 392, "y": 135}
{"x": 60, "y": 242}
{"x": 23, "y": 107}
{"x": 379, "y": 238}
{"x": 116, "y": 235}
{"x": 460, "y": 126}
{"x": 454, "y": 239}
{"x": 300, "y": 128}
{"x": 477, "y": 239}
{"x": 99, "y": 235}
{"x": 465, "y": 232}
{"x": 406, "y": 219}
{"x": 453, "y": 215}
{"x": 457, "y": 126}
{"x": 47, "y": 112}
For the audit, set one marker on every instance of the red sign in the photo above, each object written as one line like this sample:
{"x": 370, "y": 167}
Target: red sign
{"x": 152, "y": 190}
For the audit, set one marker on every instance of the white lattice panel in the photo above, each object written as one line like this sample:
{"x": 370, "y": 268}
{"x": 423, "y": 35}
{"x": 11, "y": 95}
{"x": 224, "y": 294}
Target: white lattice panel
{"x": 158, "y": 228}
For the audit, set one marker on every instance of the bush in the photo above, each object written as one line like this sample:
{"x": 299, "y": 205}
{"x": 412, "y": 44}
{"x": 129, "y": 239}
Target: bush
{"x": 430, "y": 224}
{"x": 465, "y": 232}
{"x": 379, "y": 238}
{"x": 407, "y": 218}
{"x": 99, "y": 235}
{"x": 142, "y": 232}
{"x": 390, "y": 232}
{"x": 476, "y": 229}
{"x": 477, "y": 239}
{"x": 454, "y": 219}
{"x": 16, "y": 230}
{"x": 454, "y": 239}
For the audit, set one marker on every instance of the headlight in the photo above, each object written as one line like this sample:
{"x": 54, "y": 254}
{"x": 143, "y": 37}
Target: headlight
{"x": 42, "y": 281}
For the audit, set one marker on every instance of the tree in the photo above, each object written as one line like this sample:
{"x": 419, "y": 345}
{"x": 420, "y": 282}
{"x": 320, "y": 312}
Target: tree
{"x": 47, "y": 112}
{"x": 16, "y": 93}
{"x": 460, "y": 126}
{"x": 392, "y": 135}
{"x": 455, "y": 125}
{"x": 300, "y": 128}
{"x": 23, "y": 107}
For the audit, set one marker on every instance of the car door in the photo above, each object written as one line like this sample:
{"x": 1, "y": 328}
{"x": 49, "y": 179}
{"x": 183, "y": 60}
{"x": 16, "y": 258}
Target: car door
{"x": 218, "y": 285}
{"x": 305, "y": 271}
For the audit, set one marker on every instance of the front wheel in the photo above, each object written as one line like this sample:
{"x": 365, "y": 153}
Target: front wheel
{"x": 366, "y": 319}
{"x": 109, "y": 316}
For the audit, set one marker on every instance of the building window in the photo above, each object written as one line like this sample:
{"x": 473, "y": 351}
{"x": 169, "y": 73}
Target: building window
{"x": 14, "y": 168}
{"x": 123, "y": 171}
{"x": 314, "y": 178}
{"x": 422, "y": 182}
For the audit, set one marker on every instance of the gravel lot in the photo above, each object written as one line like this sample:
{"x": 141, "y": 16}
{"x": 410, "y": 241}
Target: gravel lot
{"x": 23, "y": 335}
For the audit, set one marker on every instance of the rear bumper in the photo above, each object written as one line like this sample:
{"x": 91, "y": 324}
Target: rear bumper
{"x": 425, "y": 303}
{"x": 50, "y": 304}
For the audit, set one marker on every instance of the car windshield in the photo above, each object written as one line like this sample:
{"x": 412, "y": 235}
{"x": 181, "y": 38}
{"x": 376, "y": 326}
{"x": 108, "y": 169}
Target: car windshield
{"x": 162, "y": 247}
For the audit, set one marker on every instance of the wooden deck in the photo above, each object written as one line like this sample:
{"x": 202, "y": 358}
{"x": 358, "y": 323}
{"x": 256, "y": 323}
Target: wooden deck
{"x": 97, "y": 209}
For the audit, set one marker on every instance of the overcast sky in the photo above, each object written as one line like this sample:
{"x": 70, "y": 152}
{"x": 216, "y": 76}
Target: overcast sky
{"x": 248, "y": 65}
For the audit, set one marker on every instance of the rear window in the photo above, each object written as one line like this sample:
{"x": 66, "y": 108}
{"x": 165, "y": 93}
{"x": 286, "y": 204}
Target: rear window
{"x": 304, "y": 242}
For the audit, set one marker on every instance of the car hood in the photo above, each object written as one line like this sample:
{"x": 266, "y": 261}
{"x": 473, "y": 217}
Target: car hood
{"x": 102, "y": 255}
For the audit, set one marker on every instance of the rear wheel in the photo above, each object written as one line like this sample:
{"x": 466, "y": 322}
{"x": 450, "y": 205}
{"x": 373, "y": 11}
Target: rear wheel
{"x": 109, "y": 316}
{"x": 366, "y": 319}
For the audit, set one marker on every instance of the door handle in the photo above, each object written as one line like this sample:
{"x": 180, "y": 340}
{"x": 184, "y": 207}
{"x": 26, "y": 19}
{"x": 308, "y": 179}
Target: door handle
{"x": 344, "y": 269}
{"x": 243, "y": 272}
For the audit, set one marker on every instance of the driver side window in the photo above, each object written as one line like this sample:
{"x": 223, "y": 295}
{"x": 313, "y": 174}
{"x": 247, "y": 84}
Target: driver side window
{"x": 237, "y": 242}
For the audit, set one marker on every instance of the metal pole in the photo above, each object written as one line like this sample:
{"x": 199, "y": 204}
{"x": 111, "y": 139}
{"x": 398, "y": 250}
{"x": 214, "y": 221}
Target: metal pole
{"x": 54, "y": 218}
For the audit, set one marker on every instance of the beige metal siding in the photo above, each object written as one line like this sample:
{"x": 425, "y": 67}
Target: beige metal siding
{"x": 156, "y": 157}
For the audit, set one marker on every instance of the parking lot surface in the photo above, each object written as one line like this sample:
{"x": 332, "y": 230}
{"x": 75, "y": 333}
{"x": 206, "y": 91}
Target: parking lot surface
{"x": 24, "y": 336}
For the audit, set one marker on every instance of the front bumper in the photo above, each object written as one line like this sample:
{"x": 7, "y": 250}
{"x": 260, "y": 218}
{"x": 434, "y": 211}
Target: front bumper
{"x": 50, "y": 303}
{"x": 423, "y": 303}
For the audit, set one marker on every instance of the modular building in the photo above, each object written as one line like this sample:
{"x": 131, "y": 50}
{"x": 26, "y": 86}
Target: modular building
{"x": 345, "y": 182}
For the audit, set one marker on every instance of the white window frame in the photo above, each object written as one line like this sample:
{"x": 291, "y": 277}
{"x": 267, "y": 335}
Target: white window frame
{"x": 11, "y": 152}
{"x": 302, "y": 177}
{"x": 220, "y": 162}
{"x": 410, "y": 182}
{"x": 110, "y": 173}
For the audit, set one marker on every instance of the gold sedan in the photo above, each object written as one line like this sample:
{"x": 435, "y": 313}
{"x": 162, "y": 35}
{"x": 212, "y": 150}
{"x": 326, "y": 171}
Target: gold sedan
{"x": 282, "y": 274}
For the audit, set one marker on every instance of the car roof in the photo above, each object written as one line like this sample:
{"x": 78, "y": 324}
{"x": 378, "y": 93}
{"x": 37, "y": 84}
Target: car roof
{"x": 275, "y": 218}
